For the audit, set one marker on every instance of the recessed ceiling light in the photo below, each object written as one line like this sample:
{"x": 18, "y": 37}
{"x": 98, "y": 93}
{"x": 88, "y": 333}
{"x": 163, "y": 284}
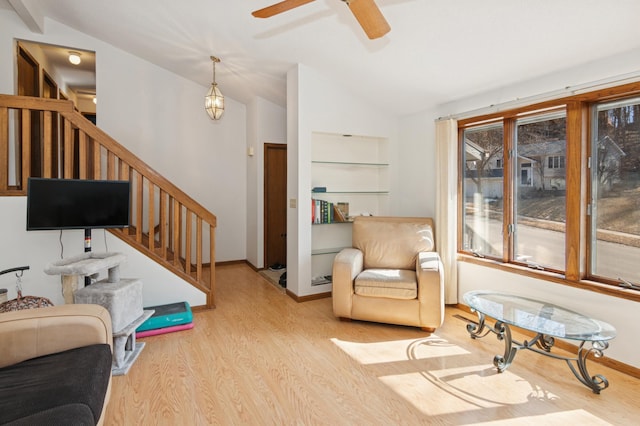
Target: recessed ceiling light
{"x": 74, "y": 58}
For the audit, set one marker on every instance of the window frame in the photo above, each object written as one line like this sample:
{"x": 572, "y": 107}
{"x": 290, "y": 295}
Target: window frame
{"x": 578, "y": 190}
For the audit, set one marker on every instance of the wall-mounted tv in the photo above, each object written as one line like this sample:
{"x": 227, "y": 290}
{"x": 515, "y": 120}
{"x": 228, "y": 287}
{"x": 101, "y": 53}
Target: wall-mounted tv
{"x": 77, "y": 204}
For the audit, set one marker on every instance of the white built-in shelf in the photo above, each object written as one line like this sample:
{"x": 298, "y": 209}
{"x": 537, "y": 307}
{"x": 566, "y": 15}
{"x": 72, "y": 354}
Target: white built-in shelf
{"x": 355, "y": 171}
{"x": 330, "y": 250}
{"x": 316, "y": 194}
{"x": 350, "y": 163}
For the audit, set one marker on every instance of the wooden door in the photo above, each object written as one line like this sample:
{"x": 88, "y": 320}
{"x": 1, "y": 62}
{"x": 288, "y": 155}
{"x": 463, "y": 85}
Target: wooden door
{"x": 29, "y": 85}
{"x": 275, "y": 204}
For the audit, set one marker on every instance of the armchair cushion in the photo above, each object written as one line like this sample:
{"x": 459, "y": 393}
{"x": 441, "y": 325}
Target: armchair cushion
{"x": 391, "y": 283}
{"x": 391, "y": 244}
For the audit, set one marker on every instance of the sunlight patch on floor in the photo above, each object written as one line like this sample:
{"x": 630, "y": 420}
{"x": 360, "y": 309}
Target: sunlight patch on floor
{"x": 417, "y": 368}
{"x": 399, "y": 350}
{"x": 461, "y": 389}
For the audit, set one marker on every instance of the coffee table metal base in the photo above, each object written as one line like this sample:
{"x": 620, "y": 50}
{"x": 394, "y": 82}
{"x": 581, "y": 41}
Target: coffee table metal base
{"x": 541, "y": 344}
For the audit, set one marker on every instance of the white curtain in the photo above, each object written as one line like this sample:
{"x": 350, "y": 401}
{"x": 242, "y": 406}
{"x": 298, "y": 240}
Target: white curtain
{"x": 446, "y": 203}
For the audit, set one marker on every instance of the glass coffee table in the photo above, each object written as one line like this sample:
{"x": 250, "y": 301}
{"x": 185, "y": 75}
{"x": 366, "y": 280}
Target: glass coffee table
{"x": 548, "y": 321}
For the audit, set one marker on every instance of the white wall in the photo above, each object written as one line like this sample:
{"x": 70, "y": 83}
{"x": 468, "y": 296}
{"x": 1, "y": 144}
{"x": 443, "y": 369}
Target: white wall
{"x": 315, "y": 104}
{"x": 160, "y": 117}
{"x": 266, "y": 123}
{"x": 415, "y": 192}
{"x": 614, "y": 310}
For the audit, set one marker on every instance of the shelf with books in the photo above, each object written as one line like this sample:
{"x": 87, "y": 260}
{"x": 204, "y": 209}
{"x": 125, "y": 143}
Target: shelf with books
{"x": 350, "y": 176}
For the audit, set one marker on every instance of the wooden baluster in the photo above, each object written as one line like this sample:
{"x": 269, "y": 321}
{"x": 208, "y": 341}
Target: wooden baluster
{"x": 47, "y": 148}
{"x": 187, "y": 242}
{"x": 151, "y": 217}
{"x": 177, "y": 225}
{"x": 4, "y": 155}
{"x": 139, "y": 207}
{"x": 97, "y": 163}
{"x": 163, "y": 224}
{"x": 82, "y": 153}
{"x": 111, "y": 165}
{"x": 128, "y": 173}
{"x": 123, "y": 170}
{"x": 25, "y": 141}
{"x": 68, "y": 150}
{"x": 211, "y": 300}
{"x": 170, "y": 224}
{"x": 199, "y": 249}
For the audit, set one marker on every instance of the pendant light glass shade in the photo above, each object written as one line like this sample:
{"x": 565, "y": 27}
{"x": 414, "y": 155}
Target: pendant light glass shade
{"x": 214, "y": 100}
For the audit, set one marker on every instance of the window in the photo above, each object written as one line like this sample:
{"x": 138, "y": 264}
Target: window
{"x": 556, "y": 162}
{"x": 615, "y": 177}
{"x": 539, "y": 216}
{"x": 556, "y": 187}
{"x": 483, "y": 190}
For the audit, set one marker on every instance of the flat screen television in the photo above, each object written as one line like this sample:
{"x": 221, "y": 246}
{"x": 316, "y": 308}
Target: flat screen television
{"x": 77, "y": 204}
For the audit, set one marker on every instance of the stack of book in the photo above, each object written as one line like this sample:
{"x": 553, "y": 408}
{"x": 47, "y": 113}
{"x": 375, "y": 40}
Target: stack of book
{"x": 327, "y": 212}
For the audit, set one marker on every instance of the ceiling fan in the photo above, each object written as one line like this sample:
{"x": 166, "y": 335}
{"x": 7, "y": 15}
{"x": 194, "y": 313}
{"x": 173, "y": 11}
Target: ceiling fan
{"x": 366, "y": 12}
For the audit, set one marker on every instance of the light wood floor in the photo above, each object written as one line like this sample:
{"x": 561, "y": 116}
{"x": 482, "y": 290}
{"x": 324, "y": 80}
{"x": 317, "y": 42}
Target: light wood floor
{"x": 260, "y": 358}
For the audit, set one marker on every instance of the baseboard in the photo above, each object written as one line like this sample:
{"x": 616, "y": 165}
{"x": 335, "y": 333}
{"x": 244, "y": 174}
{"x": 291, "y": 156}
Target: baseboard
{"x": 232, "y": 262}
{"x": 308, "y": 298}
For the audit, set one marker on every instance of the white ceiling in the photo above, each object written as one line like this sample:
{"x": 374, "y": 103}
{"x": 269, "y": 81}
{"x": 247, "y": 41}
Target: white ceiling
{"x": 437, "y": 51}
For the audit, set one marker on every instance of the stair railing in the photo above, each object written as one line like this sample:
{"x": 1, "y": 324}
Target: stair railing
{"x": 49, "y": 138}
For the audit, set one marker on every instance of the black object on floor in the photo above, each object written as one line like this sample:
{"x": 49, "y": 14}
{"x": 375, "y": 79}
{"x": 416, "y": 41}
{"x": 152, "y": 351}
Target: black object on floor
{"x": 283, "y": 279}
{"x": 276, "y": 267}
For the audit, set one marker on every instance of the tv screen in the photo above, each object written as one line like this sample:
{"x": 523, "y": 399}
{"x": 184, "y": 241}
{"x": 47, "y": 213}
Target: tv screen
{"x": 77, "y": 204}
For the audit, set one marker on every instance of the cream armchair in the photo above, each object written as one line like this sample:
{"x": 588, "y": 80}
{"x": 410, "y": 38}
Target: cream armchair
{"x": 392, "y": 274}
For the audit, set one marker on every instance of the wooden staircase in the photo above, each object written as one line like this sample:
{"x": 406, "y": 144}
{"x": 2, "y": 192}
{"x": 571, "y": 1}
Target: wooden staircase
{"x": 48, "y": 138}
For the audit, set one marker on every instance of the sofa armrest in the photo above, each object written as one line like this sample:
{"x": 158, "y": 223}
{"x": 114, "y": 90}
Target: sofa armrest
{"x": 346, "y": 266}
{"x": 32, "y": 333}
{"x": 430, "y": 274}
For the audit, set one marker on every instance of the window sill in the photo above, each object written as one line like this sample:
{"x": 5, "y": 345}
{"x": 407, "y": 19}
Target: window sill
{"x": 594, "y": 286}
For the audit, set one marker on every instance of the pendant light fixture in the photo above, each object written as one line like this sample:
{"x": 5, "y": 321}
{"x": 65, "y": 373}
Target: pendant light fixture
{"x": 214, "y": 101}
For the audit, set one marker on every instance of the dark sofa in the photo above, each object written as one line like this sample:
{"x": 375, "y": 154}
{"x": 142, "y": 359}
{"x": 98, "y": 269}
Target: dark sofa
{"x": 55, "y": 365}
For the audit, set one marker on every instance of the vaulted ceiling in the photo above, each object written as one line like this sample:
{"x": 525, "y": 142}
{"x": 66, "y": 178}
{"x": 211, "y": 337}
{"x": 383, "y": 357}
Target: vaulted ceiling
{"x": 437, "y": 51}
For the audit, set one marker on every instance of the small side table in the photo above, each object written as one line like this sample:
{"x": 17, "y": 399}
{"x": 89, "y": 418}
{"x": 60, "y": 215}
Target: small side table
{"x": 549, "y": 322}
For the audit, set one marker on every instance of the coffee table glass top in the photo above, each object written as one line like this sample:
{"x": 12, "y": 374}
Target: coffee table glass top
{"x": 538, "y": 316}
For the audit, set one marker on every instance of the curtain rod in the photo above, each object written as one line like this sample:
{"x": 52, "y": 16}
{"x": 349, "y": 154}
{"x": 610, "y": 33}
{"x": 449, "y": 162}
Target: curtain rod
{"x": 631, "y": 77}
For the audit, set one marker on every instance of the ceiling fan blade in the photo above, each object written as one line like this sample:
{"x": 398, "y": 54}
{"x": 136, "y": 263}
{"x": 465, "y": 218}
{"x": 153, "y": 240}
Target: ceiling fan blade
{"x": 277, "y": 8}
{"x": 369, "y": 17}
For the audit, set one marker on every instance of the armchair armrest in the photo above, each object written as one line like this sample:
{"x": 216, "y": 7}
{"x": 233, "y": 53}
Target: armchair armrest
{"x": 32, "y": 333}
{"x": 346, "y": 266}
{"x": 429, "y": 270}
